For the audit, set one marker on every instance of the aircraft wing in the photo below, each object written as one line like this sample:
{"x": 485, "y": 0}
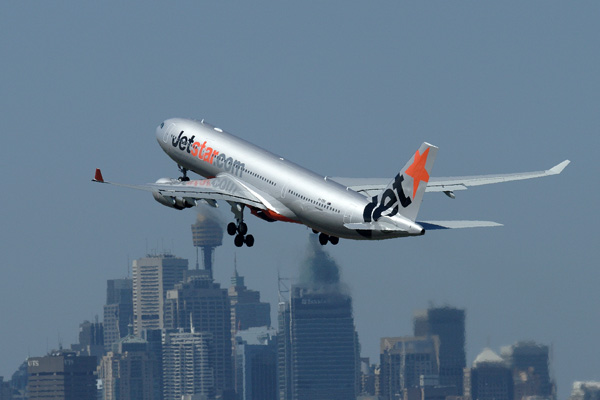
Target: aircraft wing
{"x": 223, "y": 187}
{"x": 373, "y": 186}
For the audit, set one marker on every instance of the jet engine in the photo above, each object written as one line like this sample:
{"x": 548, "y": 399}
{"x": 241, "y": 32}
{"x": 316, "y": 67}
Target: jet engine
{"x": 174, "y": 202}
{"x": 178, "y": 203}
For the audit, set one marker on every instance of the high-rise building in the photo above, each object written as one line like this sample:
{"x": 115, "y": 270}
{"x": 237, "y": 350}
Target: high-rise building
{"x": 367, "y": 377}
{"x": 201, "y": 303}
{"x": 256, "y": 364}
{"x": 18, "y": 382}
{"x": 5, "y": 390}
{"x": 62, "y": 375}
{"x": 118, "y": 310}
{"x": 404, "y": 360}
{"x": 154, "y": 337}
{"x": 284, "y": 351}
{"x": 585, "y": 391}
{"x": 448, "y": 324}
{"x": 128, "y": 371}
{"x": 247, "y": 311}
{"x": 530, "y": 366}
{"x": 91, "y": 339}
{"x": 153, "y": 276}
{"x": 188, "y": 365}
{"x": 320, "y": 352}
{"x": 489, "y": 379}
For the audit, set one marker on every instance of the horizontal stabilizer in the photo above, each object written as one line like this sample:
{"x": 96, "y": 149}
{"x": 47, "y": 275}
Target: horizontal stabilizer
{"x": 433, "y": 225}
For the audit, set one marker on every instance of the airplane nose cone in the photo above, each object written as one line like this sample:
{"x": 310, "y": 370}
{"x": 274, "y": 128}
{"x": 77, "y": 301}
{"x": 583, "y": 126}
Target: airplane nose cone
{"x": 160, "y": 131}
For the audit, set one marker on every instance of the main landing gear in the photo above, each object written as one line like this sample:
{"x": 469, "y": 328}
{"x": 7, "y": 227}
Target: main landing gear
{"x": 184, "y": 177}
{"x": 325, "y": 238}
{"x": 239, "y": 229}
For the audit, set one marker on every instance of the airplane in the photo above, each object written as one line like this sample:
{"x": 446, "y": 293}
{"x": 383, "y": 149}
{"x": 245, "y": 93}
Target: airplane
{"x": 275, "y": 189}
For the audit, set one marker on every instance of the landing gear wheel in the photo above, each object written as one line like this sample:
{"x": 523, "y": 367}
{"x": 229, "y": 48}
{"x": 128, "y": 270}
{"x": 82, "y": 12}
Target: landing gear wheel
{"x": 231, "y": 229}
{"x": 315, "y": 231}
{"x": 249, "y": 240}
{"x": 238, "y": 241}
{"x": 243, "y": 228}
{"x": 334, "y": 240}
{"x": 323, "y": 239}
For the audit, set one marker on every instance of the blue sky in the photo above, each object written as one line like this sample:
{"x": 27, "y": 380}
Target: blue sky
{"x": 344, "y": 88}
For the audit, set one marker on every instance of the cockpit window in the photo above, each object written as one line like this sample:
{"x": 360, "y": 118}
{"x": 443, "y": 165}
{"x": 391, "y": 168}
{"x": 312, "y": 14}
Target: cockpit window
{"x": 161, "y": 125}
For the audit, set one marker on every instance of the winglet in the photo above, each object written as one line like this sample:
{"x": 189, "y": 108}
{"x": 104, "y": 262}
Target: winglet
{"x": 557, "y": 169}
{"x": 98, "y": 176}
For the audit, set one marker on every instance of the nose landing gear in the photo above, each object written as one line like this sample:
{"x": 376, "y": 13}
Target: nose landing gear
{"x": 184, "y": 177}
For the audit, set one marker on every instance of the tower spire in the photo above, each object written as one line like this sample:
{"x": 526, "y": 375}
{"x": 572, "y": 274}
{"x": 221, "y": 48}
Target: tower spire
{"x": 235, "y": 271}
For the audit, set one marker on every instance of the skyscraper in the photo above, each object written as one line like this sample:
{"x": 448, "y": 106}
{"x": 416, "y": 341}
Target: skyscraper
{"x": 247, "y": 310}
{"x": 118, "y": 310}
{"x": 202, "y": 304}
{"x": 284, "y": 351}
{"x": 188, "y": 365}
{"x": 448, "y": 324}
{"x": 154, "y": 338}
{"x": 62, "y": 375}
{"x": 489, "y": 379}
{"x": 404, "y": 360}
{"x": 585, "y": 391}
{"x": 91, "y": 339}
{"x": 153, "y": 276}
{"x": 5, "y": 390}
{"x": 128, "y": 371}
{"x": 529, "y": 363}
{"x": 321, "y": 352}
{"x": 256, "y": 364}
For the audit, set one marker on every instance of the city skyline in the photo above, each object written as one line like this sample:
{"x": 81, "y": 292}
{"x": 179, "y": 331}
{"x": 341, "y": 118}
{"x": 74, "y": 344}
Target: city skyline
{"x": 323, "y": 276}
{"x": 499, "y": 87}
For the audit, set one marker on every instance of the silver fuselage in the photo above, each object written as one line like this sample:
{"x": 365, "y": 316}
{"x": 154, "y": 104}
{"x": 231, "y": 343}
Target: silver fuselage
{"x": 289, "y": 191}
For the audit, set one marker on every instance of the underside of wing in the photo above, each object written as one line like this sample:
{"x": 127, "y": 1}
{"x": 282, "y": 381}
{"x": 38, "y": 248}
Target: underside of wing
{"x": 462, "y": 182}
{"x": 186, "y": 193}
{"x": 373, "y": 186}
{"x": 366, "y": 186}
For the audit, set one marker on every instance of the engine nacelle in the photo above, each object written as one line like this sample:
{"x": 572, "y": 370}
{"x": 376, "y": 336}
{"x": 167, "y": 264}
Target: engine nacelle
{"x": 174, "y": 202}
{"x": 178, "y": 203}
